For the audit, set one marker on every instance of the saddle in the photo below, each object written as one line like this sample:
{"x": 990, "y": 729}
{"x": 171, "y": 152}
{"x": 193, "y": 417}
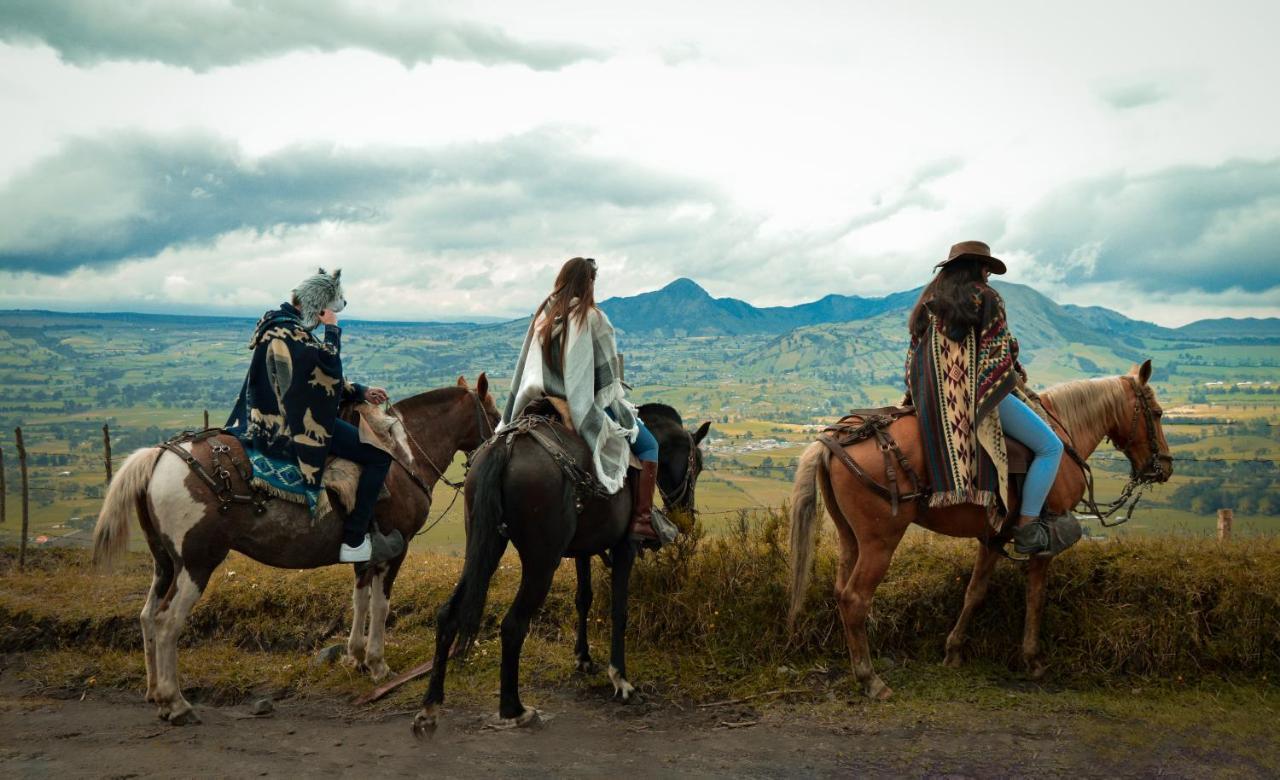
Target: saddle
{"x": 557, "y": 409}
{"x": 863, "y": 424}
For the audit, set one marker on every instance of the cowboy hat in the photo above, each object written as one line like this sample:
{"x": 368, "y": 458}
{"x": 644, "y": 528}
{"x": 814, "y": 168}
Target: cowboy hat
{"x": 976, "y": 250}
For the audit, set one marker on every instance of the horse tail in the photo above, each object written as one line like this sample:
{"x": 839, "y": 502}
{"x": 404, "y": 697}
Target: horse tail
{"x": 804, "y": 515}
{"x": 127, "y": 489}
{"x": 485, "y": 541}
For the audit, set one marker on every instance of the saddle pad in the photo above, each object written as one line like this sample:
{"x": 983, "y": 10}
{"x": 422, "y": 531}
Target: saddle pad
{"x": 283, "y": 478}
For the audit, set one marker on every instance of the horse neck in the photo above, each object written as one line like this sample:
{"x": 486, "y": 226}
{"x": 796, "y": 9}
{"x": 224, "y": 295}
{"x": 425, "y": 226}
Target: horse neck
{"x": 435, "y": 430}
{"x": 1083, "y": 436}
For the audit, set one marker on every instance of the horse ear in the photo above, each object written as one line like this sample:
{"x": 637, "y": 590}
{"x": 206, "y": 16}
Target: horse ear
{"x": 462, "y": 381}
{"x": 321, "y": 270}
{"x": 701, "y": 433}
{"x": 482, "y": 385}
{"x": 337, "y": 274}
{"x": 1142, "y": 373}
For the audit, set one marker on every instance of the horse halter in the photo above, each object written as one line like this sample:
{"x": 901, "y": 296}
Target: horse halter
{"x": 686, "y": 485}
{"x": 1152, "y": 469}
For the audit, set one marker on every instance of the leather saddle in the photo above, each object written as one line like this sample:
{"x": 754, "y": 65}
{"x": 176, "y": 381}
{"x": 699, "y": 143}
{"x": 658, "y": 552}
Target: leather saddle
{"x": 557, "y": 409}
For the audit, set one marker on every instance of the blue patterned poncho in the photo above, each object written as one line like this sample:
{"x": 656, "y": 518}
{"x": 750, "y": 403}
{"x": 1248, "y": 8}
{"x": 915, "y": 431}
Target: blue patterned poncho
{"x": 289, "y": 401}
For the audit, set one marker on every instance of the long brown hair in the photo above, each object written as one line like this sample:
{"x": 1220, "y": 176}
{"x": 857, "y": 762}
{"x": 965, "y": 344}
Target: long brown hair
{"x": 576, "y": 280}
{"x": 950, "y": 298}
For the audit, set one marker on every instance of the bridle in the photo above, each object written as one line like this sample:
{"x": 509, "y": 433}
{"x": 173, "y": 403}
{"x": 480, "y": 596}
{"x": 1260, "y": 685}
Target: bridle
{"x": 483, "y": 426}
{"x": 686, "y": 485}
{"x": 1141, "y": 477}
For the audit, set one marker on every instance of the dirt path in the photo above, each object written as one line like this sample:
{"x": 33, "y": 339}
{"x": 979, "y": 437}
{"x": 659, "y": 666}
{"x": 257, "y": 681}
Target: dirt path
{"x": 113, "y": 734}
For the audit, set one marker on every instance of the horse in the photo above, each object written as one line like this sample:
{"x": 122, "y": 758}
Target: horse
{"x": 519, "y": 491}
{"x": 1121, "y": 408}
{"x": 190, "y": 530}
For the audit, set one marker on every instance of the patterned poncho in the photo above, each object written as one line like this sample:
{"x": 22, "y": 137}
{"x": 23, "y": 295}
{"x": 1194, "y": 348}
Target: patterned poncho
{"x": 588, "y": 375}
{"x": 289, "y": 401}
{"x": 956, "y": 385}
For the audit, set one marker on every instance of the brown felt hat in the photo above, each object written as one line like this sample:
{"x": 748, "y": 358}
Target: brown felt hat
{"x": 977, "y": 250}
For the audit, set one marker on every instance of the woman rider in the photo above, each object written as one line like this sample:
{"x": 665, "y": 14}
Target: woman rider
{"x": 966, "y": 382}
{"x": 570, "y": 353}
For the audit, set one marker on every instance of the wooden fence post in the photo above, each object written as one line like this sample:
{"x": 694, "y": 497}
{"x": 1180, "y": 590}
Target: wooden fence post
{"x": 4, "y": 506}
{"x": 22, "y": 467}
{"x": 1225, "y": 517}
{"x": 106, "y": 450}
{"x": 206, "y": 419}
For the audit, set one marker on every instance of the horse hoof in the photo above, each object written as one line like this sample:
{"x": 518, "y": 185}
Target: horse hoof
{"x": 424, "y": 724}
{"x": 878, "y": 691}
{"x": 622, "y": 690}
{"x": 954, "y": 659}
{"x": 379, "y": 671}
{"x": 530, "y": 718}
{"x": 588, "y": 667}
{"x": 185, "y": 718}
{"x": 1036, "y": 670}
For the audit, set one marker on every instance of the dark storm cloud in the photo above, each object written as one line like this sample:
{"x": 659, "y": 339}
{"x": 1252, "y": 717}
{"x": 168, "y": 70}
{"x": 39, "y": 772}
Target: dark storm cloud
{"x": 1208, "y": 228}
{"x": 101, "y": 201}
{"x": 208, "y": 35}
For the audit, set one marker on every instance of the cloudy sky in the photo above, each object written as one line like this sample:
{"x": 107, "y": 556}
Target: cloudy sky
{"x": 203, "y": 156}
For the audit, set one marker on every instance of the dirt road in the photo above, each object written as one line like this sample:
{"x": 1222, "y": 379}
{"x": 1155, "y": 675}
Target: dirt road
{"x": 113, "y": 734}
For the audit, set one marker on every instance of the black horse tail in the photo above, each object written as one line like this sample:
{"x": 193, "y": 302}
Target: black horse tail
{"x": 486, "y": 541}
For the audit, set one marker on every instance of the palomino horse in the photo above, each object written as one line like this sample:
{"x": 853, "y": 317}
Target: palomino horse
{"x": 189, "y": 536}
{"x": 1122, "y": 408}
{"x": 520, "y": 491}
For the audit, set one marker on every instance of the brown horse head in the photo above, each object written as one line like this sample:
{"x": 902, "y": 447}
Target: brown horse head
{"x": 1141, "y": 436}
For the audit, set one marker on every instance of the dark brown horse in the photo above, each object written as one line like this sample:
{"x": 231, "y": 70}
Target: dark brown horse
{"x": 1123, "y": 409}
{"x": 518, "y": 491}
{"x": 189, "y": 536}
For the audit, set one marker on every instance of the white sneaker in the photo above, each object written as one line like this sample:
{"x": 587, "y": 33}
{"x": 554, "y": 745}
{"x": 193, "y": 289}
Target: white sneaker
{"x": 361, "y": 554}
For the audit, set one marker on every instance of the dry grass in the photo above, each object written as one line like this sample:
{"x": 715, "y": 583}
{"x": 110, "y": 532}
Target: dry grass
{"x": 707, "y": 617}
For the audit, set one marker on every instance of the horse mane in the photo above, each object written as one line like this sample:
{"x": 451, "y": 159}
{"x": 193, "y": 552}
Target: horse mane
{"x": 1090, "y": 407}
{"x": 661, "y": 410}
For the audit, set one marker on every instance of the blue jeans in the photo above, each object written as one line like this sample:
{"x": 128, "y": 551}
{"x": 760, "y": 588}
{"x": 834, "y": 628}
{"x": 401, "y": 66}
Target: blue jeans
{"x": 1023, "y": 424}
{"x": 645, "y": 447}
{"x": 374, "y": 465}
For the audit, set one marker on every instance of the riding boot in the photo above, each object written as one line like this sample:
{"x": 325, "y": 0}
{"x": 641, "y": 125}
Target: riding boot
{"x": 642, "y": 506}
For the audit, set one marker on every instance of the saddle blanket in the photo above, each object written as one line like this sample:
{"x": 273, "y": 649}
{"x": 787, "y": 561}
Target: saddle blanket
{"x": 282, "y": 478}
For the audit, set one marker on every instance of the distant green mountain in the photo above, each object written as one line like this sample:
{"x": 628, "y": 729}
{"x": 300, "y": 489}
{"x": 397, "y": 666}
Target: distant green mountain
{"x": 684, "y": 308}
{"x": 1228, "y": 328}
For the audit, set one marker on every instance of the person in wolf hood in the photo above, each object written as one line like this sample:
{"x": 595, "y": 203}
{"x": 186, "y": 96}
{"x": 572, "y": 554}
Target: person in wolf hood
{"x": 968, "y": 388}
{"x": 288, "y": 407}
{"x": 570, "y": 352}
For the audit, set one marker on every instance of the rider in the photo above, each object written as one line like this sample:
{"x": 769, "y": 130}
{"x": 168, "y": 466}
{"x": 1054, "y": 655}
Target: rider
{"x": 570, "y": 353}
{"x": 288, "y": 407}
{"x": 962, "y": 366}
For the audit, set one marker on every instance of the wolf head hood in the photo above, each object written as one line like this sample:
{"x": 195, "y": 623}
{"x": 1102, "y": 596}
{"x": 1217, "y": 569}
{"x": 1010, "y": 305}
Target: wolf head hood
{"x": 318, "y": 292}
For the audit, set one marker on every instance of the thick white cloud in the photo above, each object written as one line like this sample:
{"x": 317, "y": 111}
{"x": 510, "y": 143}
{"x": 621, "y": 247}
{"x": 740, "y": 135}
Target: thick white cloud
{"x": 773, "y": 152}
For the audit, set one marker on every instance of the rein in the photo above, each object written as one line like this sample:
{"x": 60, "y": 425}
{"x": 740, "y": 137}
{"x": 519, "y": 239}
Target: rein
{"x": 1140, "y": 478}
{"x": 482, "y": 426}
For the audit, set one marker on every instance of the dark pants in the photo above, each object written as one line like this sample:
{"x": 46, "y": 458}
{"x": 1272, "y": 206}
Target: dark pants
{"x": 374, "y": 465}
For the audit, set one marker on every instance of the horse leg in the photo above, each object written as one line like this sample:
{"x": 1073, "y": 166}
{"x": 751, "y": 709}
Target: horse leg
{"x": 170, "y": 619}
{"x": 974, "y": 595}
{"x": 161, "y": 582}
{"x": 583, "y": 602}
{"x": 535, "y": 581}
{"x": 624, "y": 557}
{"x": 359, "y": 617}
{"x": 379, "y": 608}
{"x": 1031, "y": 656}
{"x": 848, "y": 553}
{"x": 855, "y": 599}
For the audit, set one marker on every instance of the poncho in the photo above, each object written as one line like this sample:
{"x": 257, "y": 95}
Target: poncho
{"x": 290, "y": 397}
{"x": 956, "y": 386}
{"x": 590, "y": 380}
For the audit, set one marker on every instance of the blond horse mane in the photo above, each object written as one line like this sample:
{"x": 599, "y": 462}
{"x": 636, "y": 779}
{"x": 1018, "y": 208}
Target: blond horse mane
{"x": 1089, "y": 408}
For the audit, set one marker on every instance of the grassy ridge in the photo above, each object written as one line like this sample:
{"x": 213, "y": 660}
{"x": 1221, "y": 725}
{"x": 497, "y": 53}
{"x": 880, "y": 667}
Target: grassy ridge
{"x": 708, "y": 614}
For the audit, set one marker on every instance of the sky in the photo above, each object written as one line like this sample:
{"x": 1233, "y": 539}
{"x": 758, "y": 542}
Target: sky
{"x": 202, "y": 157}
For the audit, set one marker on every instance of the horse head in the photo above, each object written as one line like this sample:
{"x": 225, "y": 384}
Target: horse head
{"x": 487, "y": 415}
{"x": 1140, "y": 436}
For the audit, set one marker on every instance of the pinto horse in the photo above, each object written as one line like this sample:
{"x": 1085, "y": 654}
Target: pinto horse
{"x": 189, "y": 536}
{"x": 519, "y": 491}
{"x": 1121, "y": 408}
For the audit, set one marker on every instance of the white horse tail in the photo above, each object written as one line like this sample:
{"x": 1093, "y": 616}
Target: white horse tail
{"x": 128, "y": 487}
{"x": 804, "y": 515}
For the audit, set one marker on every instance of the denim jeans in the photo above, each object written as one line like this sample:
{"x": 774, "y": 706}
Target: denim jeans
{"x": 645, "y": 447}
{"x": 374, "y": 465}
{"x": 1023, "y": 424}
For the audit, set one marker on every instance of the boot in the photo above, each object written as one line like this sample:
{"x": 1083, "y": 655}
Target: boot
{"x": 1047, "y": 535}
{"x": 642, "y": 506}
